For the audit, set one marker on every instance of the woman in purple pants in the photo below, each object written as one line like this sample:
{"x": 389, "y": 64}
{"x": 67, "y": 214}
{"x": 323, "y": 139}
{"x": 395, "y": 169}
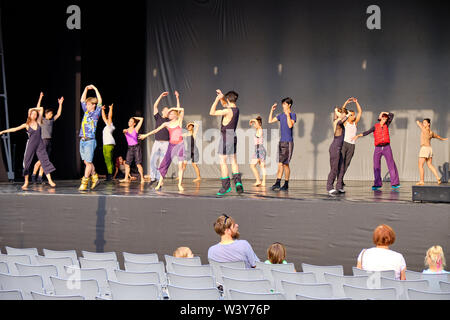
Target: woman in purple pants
{"x": 35, "y": 146}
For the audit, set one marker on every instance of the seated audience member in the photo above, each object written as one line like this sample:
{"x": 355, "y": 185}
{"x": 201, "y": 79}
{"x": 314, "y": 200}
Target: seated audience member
{"x": 382, "y": 258}
{"x": 435, "y": 261}
{"x": 230, "y": 248}
{"x": 276, "y": 254}
{"x": 120, "y": 169}
{"x": 183, "y": 252}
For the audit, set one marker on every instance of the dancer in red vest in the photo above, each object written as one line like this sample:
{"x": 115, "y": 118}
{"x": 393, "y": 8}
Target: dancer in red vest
{"x": 383, "y": 148}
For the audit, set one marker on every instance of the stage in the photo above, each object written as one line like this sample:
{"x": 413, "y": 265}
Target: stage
{"x": 316, "y": 228}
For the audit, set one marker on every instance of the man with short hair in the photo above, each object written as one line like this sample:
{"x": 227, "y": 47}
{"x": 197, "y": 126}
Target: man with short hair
{"x": 230, "y": 248}
{"x": 287, "y": 121}
{"x": 228, "y": 140}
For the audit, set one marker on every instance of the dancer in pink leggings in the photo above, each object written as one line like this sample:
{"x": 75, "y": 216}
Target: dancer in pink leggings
{"x": 176, "y": 145}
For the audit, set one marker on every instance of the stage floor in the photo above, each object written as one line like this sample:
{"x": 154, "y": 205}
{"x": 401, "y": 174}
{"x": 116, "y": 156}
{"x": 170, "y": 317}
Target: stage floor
{"x": 356, "y": 191}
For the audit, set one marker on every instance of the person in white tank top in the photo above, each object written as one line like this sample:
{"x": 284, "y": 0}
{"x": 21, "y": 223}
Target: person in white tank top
{"x": 348, "y": 149}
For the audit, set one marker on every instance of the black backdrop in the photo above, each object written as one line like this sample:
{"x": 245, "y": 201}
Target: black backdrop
{"x": 41, "y": 53}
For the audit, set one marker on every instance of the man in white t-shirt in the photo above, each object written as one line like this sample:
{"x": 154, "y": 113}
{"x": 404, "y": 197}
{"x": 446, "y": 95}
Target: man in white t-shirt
{"x": 382, "y": 258}
{"x": 348, "y": 149}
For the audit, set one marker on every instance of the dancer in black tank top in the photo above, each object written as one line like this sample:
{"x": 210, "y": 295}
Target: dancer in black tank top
{"x": 228, "y": 140}
{"x": 192, "y": 155}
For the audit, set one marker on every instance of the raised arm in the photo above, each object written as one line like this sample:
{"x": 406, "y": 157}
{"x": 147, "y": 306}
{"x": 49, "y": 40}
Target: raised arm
{"x": 156, "y": 105}
{"x": 40, "y": 100}
{"x": 110, "y": 114}
{"x": 145, "y": 136}
{"x": 360, "y": 111}
{"x": 271, "y": 118}
{"x": 420, "y": 125}
{"x": 196, "y": 128}
{"x": 99, "y": 97}
{"x": 177, "y": 95}
{"x": 214, "y": 112}
{"x": 58, "y": 114}
{"x": 12, "y": 130}
{"x": 105, "y": 119}
{"x": 139, "y": 125}
{"x": 84, "y": 95}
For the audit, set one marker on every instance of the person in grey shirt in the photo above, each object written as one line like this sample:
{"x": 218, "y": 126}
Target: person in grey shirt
{"x": 47, "y": 134}
{"x": 230, "y": 248}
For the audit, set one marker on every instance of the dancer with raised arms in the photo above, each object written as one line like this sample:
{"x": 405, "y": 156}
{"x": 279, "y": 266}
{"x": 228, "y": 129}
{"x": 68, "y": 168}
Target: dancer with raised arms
{"x": 176, "y": 145}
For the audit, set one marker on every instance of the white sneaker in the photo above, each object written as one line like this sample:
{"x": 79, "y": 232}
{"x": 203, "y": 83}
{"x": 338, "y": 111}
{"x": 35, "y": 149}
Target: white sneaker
{"x": 341, "y": 191}
{"x": 333, "y": 192}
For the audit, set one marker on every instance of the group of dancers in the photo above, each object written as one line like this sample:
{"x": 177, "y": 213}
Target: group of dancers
{"x": 171, "y": 143}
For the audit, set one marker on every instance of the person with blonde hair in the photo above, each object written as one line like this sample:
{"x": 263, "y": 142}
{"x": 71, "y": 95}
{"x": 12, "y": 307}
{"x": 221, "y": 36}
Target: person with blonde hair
{"x": 183, "y": 252}
{"x": 276, "y": 254}
{"x": 381, "y": 258}
{"x": 435, "y": 261}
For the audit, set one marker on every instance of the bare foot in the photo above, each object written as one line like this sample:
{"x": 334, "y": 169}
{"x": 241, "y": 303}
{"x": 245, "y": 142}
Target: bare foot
{"x": 263, "y": 184}
{"x": 52, "y": 184}
{"x": 180, "y": 188}
{"x": 420, "y": 184}
{"x": 25, "y": 186}
{"x": 439, "y": 182}
{"x": 158, "y": 187}
{"x": 142, "y": 182}
{"x": 257, "y": 184}
{"x": 124, "y": 181}
{"x": 197, "y": 180}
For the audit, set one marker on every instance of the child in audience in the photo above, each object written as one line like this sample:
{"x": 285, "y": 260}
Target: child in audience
{"x": 435, "y": 261}
{"x": 183, "y": 252}
{"x": 276, "y": 254}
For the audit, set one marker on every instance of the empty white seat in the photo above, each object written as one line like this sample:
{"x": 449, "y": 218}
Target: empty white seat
{"x": 4, "y": 268}
{"x": 445, "y": 286}
{"x": 295, "y": 277}
{"x": 177, "y": 293}
{"x": 246, "y": 296}
{"x": 122, "y": 291}
{"x": 338, "y": 282}
{"x": 423, "y": 295}
{"x": 141, "y": 258}
{"x": 99, "y": 256}
{"x": 196, "y": 261}
{"x": 44, "y": 271}
{"x": 370, "y": 294}
{"x": 62, "y": 254}
{"x": 403, "y": 286}
{"x": 195, "y": 271}
{"x": 12, "y": 260}
{"x": 138, "y": 277}
{"x": 59, "y": 263}
{"x": 191, "y": 282}
{"x": 32, "y": 253}
{"x": 148, "y": 267}
{"x": 319, "y": 271}
{"x": 291, "y": 290}
{"x": 100, "y": 275}
{"x": 380, "y": 274}
{"x": 218, "y": 273}
{"x": 268, "y": 268}
{"x": 26, "y": 284}
{"x": 11, "y": 295}
{"x": 242, "y": 274}
{"x": 88, "y": 289}
{"x": 249, "y": 286}
{"x": 109, "y": 265}
{"x": 43, "y": 297}
{"x": 305, "y": 298}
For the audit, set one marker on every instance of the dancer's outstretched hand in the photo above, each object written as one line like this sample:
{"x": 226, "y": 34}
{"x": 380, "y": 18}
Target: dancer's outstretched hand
{"x": 274, "y": 107}
{"x": 165, "y": 94}
{"x": 41, "y": 95}
{"x": 177, "y": 94}
{"x": 61, "y": 100}
{"x": 220, "y": 95}
{"x": 142, "y": 137}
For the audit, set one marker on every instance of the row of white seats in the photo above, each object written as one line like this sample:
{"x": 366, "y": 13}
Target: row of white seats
{"x": 233, "y": 271}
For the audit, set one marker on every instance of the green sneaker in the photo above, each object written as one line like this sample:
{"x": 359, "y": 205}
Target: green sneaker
{"x": 223, "y": 192}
